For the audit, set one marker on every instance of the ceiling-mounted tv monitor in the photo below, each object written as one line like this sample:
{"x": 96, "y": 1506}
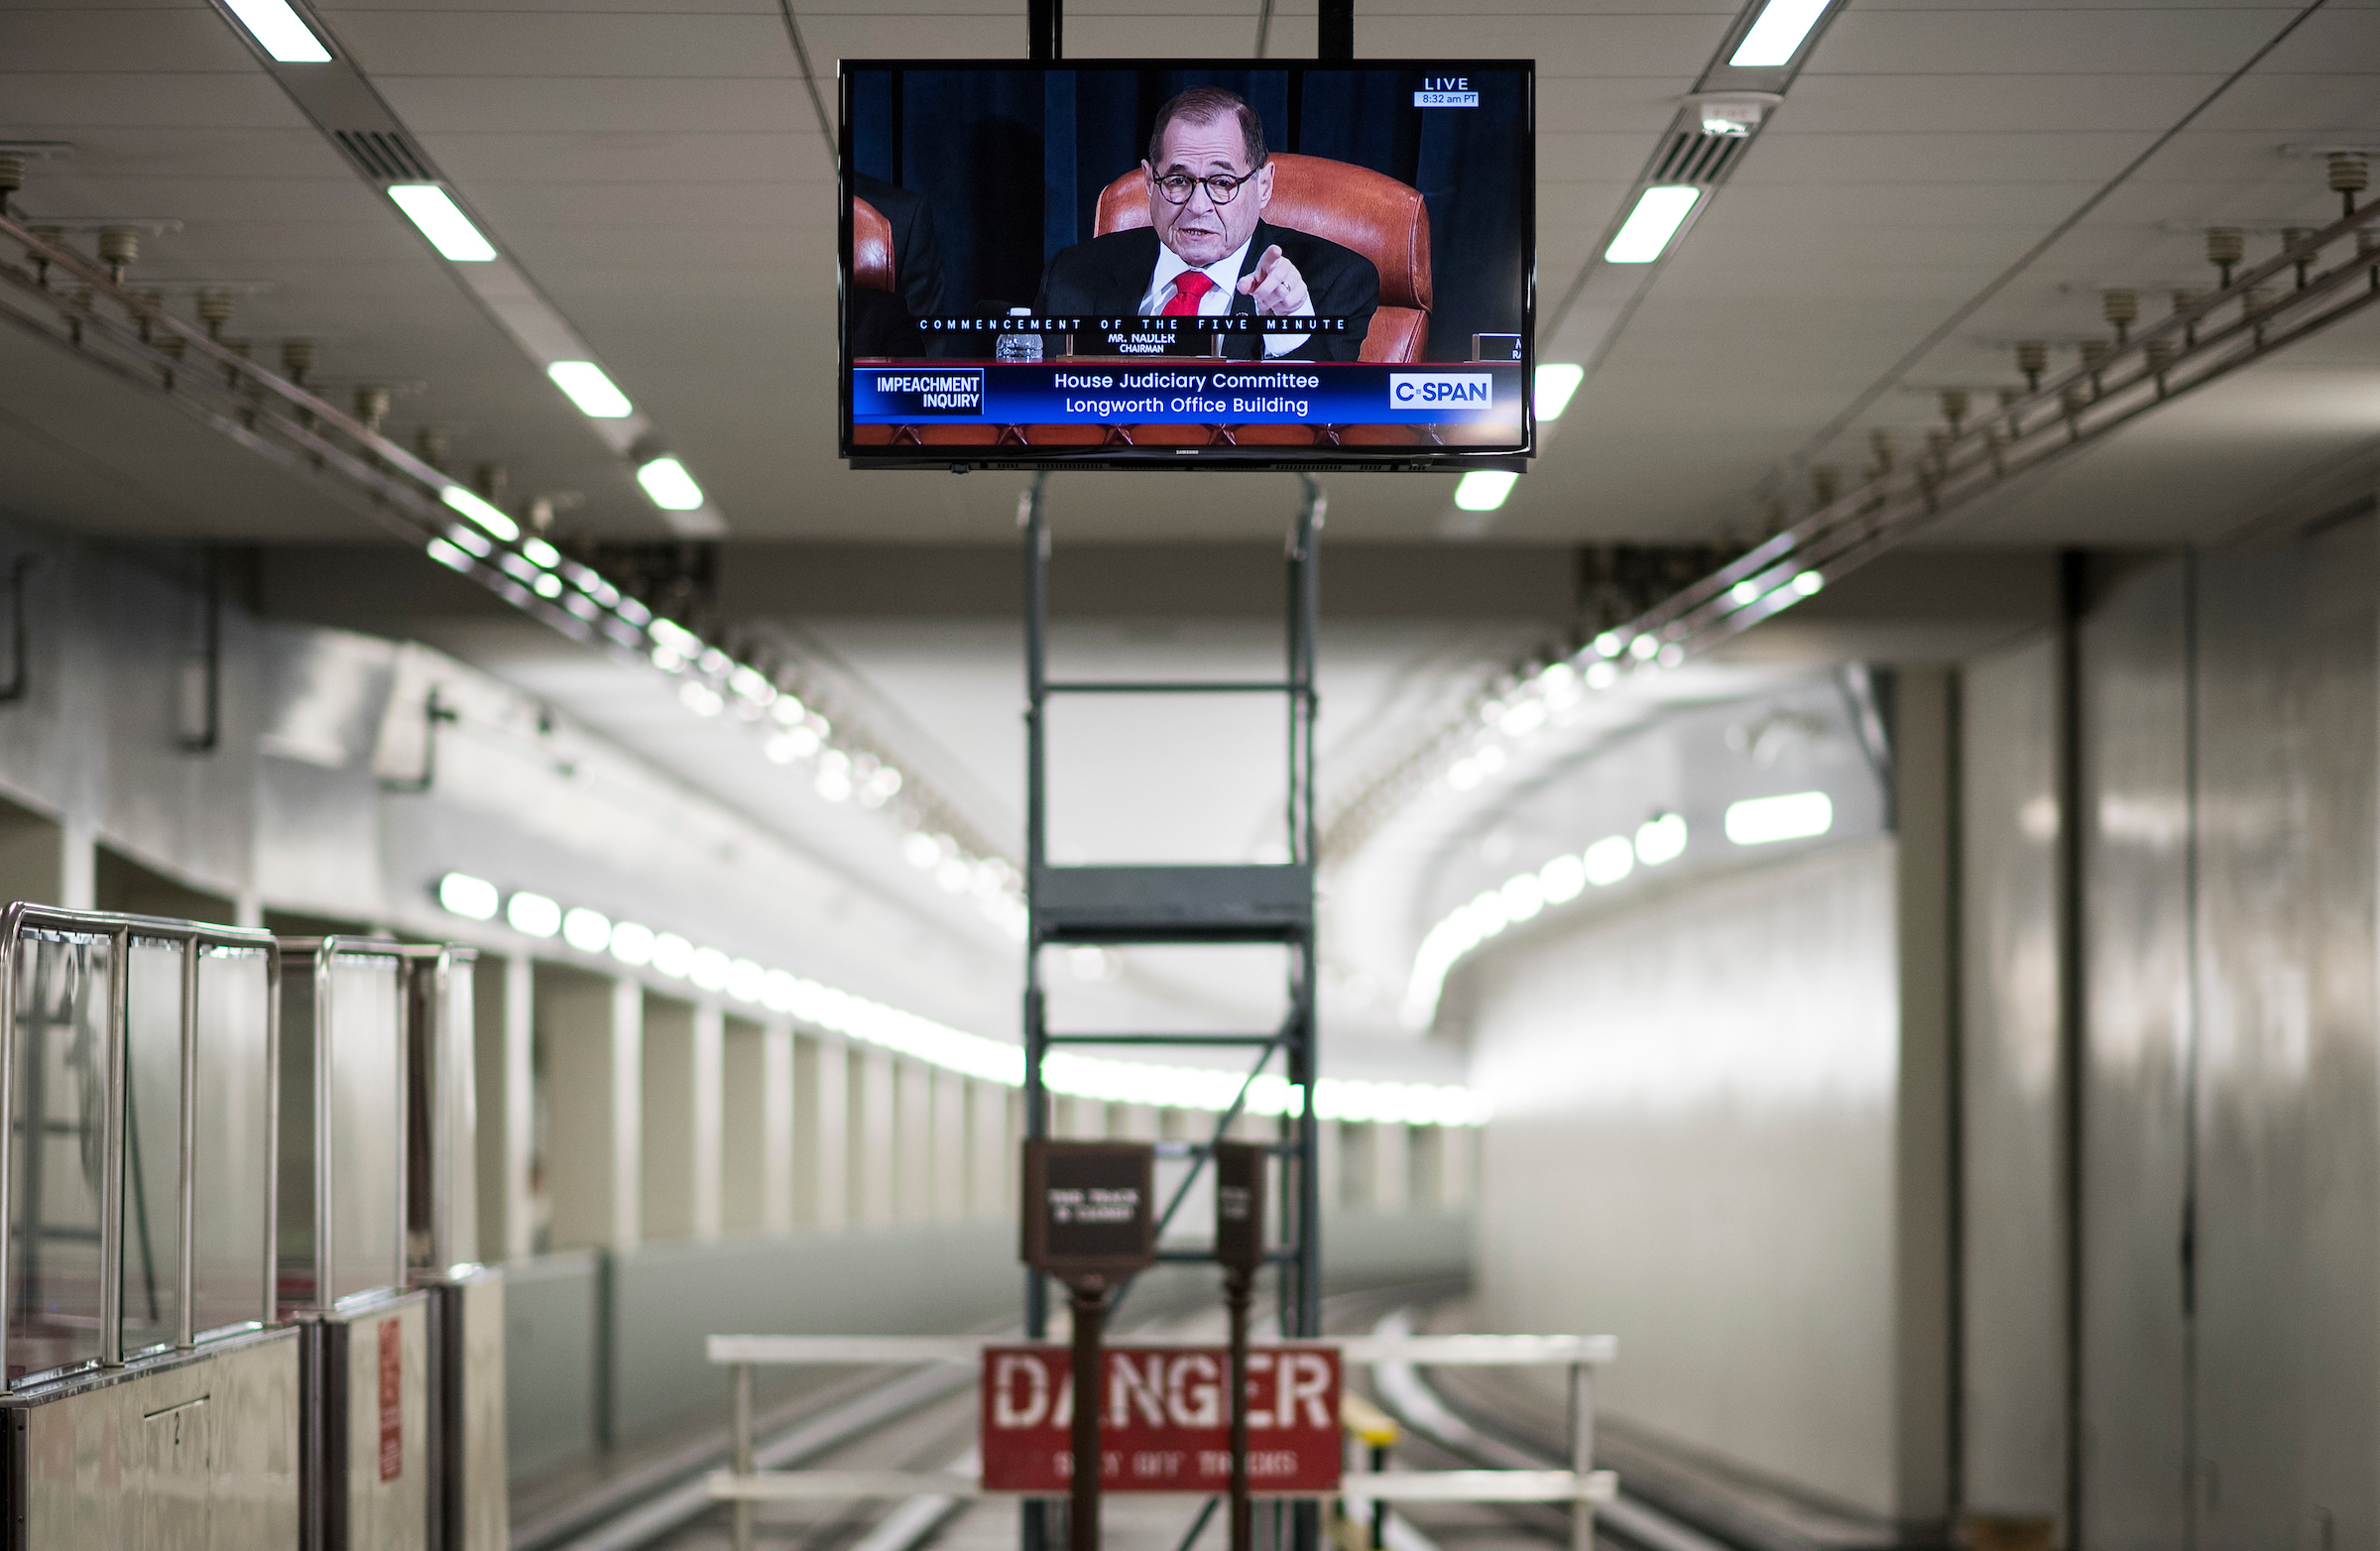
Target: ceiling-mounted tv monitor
{"x": 1188, "y": 264}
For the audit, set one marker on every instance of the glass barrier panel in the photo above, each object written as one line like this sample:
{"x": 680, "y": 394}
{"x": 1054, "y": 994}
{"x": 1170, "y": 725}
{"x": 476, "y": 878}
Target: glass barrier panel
{"x": 227, "y": 1272}
{"x": 295, "y": 1171}
{"x": 367, "y": 1075}
{"x": 58, "y": 1132}
{"x": 151, "y": 1268}
{"x": 424, "y": 1065}
{"x": 458, "y": 1131}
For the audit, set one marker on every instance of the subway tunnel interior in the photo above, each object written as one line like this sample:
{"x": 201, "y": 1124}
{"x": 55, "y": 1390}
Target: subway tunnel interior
{"x": 1854, "y": 876}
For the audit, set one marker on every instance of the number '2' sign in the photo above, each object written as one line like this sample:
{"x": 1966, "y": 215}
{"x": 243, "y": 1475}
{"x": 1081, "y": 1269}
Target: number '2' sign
{"x": 1166, "y": 1427}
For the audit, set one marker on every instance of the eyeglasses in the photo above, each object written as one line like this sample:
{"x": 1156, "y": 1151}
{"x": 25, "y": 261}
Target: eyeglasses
{"x": 1176, "y": 186}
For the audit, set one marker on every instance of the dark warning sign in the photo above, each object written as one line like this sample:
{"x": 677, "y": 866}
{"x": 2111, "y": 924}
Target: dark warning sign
{"x": 1240, "y": 1205}
{"x": 1087, "y": 1209}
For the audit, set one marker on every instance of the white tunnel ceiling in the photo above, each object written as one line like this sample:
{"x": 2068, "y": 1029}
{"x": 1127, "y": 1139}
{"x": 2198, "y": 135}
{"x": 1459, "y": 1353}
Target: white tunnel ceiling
{"x": 658, "y": 170}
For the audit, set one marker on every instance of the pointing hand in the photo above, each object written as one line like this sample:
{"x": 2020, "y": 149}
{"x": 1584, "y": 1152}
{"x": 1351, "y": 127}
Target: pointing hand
{"x": 1278, "y": 289}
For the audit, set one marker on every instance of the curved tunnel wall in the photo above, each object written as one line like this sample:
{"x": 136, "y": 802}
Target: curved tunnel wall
{"x": 2026, "y": 1164}
{"x": 1694, "y": 1147}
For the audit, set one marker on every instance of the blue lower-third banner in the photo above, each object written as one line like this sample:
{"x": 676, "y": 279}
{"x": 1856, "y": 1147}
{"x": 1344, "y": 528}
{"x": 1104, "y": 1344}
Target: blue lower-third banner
{"x": 1270, "y": 393}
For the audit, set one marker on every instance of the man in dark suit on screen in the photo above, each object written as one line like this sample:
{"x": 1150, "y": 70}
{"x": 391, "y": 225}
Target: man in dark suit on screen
{"x": 1208, "y": 250}
{"x": 884, "y": 323}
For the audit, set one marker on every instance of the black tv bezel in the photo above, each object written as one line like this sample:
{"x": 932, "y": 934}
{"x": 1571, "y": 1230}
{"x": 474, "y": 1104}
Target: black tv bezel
{"x": 1268, "y": 459}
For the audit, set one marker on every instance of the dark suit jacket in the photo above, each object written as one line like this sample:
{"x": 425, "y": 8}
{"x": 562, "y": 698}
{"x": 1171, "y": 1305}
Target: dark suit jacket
{"x": 887, "y": 324}
{"x": 1107, "y": 276}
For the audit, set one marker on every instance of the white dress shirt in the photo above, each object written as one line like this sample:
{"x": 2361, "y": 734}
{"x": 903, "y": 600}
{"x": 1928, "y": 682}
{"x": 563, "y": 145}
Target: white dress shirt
{"x": 1224, "y": 272}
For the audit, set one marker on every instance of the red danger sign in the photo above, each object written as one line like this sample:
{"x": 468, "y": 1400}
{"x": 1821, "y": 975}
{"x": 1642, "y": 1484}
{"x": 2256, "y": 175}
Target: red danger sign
{"x": 1167, "y": 1425}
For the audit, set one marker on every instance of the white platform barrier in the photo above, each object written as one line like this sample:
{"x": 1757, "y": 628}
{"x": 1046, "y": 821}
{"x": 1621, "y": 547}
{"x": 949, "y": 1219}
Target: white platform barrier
{"x": 1582, "y": 1486}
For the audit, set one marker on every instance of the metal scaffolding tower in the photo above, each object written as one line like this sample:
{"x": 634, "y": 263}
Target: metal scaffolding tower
{"x": 1196, "y": 906}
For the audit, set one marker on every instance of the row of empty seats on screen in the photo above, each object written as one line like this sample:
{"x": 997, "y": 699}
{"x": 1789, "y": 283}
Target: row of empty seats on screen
{"x": 238, "y": 1192}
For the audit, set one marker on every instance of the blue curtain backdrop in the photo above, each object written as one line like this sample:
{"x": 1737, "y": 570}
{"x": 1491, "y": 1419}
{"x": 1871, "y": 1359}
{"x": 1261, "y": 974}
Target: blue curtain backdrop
{"x": 1010, "y": 164}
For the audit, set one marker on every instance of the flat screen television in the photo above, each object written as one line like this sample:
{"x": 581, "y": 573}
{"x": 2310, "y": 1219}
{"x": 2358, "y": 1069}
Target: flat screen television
{"x": 1187, "y": 264}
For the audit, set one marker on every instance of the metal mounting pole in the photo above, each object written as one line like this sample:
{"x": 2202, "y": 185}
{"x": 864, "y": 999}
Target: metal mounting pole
{"x": 1090, "y": 1306}
{"x": 1033, "y": 1514}
{"x": 1237, "y": 1289}
{"x": 1194, "y": 906}
{"x": 1582, "y": 1452}
{"x": 1046, "y": 20}
{"x": 740, "y": 1458}
{"x": 1335, "y": 37}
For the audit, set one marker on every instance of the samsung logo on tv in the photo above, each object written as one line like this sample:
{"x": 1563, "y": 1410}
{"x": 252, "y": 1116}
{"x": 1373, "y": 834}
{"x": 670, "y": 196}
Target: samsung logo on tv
{"x": 1428, "y": 390}
{"x": 1446, "y": 92}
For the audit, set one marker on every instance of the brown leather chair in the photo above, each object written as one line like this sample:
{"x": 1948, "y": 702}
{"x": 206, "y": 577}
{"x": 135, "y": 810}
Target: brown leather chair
{"x": 871, "y": 247}
{"x": 1353, "y": 206}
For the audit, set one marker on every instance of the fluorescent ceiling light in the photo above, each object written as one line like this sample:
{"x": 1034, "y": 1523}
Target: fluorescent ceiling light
{"x": 484, "y": 513}
{"x": 1778, "y": 35}
{"x": 672, "y": 955}
{"x": 673, "y": 489}
{"x": 1608, "y": 859}
{"x": 590, "y": 390}
{"x": 442, "y": 221}
{"x": 279, "y": 31}
{"x": 589, "y": 931}
{"x": 1556, "y": 382}
{"x": 631, "y": 944}
{"x": 533, "y": 914}
{"x": 1795, "y": 816}
{"x": 465, "y": 895}
{"x": 1485, "y": 489}
{"x": 1660, "y": 840}
{"x": 1659, "y": 212}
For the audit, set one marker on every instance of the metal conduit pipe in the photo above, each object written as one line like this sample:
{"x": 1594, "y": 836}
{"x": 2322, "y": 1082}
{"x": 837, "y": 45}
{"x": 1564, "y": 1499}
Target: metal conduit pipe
{"x": 2202, "y": 342}
{"x": 406, "y": 493}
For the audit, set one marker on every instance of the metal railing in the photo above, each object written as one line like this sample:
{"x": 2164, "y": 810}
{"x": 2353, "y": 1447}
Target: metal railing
{"x": 24, "y": 1236}
{"x": 1581, "y": 1485}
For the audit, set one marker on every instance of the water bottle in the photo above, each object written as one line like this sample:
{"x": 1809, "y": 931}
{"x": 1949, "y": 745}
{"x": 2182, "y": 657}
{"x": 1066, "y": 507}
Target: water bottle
{"x": 1019, "y": 347}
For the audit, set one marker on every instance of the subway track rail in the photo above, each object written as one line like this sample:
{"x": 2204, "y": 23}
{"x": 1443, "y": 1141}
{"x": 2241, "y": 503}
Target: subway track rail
{"x": 1668, "y": 1501}
{"x": 1492, "y": 1431}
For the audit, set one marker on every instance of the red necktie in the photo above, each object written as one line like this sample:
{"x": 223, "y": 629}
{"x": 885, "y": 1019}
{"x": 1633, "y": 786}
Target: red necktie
{"x": 1188, "y": 286}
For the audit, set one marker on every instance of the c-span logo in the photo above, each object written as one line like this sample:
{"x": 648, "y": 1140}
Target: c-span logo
{"x": 1433, "y": 390}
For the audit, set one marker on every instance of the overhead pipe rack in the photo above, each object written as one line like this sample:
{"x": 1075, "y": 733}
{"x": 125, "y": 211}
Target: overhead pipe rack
{"x": 2197, "y": 344}
{"x": 78, "y": 305}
